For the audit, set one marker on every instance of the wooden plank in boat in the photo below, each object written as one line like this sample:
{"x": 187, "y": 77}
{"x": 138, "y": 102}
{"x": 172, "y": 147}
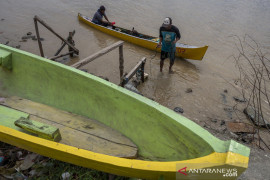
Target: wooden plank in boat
{"x": 76, "y": 130}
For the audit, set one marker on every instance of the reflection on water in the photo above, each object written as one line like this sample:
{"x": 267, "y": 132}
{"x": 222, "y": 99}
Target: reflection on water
{"x": 102, "y": 40}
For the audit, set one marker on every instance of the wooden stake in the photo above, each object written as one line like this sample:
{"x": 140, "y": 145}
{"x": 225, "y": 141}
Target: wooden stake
{"x": 56, "y": 57}
{"x": 63, "y": 45}
{"x": 70, "y": 40}
{"x": 38, "y": 38}
{"x": 140, "y": 64}
{"x": 121, "y": 61}
{"x": 142, "y": 70}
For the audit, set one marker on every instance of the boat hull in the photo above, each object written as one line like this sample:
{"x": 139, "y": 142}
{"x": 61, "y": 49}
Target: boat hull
{"x": 182, "y": 50}
{"x": 164, "y": 138}
{"x": 121, "y": 166}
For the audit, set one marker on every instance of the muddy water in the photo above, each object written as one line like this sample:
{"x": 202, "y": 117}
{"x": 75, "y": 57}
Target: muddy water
{"x": 205, "y": 22}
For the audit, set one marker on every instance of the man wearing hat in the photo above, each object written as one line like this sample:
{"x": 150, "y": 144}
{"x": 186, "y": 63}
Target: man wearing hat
{"x": 99, "y": 15}
{"x": 168, "y": 36}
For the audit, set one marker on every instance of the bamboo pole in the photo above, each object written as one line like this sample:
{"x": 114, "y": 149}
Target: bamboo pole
{"x": 97, "y": 54}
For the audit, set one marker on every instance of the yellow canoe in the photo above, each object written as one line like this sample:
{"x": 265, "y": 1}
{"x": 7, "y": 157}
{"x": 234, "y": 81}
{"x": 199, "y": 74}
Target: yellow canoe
{"x": 149, "y": 42}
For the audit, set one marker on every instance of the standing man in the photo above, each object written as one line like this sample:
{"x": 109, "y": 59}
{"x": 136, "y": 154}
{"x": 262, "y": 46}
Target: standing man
{"x": 97, "y": 19}
{"x": 168, "y": 36}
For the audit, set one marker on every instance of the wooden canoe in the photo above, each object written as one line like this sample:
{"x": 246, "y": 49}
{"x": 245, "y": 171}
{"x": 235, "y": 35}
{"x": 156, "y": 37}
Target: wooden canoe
{"x": 149, "y": 42}
{"x": 167, "y": 142}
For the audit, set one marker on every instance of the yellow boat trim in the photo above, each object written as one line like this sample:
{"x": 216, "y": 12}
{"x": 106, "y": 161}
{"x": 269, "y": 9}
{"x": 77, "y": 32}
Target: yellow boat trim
{"x": 115, "y": 165}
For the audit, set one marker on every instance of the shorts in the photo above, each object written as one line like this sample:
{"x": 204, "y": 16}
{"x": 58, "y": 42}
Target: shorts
{"x": 165, "y": 55}
{"x": 101, "y": 23}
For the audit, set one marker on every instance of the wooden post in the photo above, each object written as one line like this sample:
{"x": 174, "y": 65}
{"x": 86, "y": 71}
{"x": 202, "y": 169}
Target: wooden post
{"x": 140, "y": 64}
{"x": 63, "y": 45}
{"x": 38, "y": 38}
{"x": 142, "y": 70}
{"x": 36, "y": 18}
{"x": 70, "y": 40}
{"x": 97, "y": 54}
{"x": 121, "y": 61}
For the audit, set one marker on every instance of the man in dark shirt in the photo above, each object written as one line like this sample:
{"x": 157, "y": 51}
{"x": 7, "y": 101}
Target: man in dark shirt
{"x": 168, "y": 36}
{"x": 99, "y": 15}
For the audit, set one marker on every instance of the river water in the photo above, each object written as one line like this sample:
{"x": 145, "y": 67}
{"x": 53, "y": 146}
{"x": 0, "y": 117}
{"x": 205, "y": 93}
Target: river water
{"x": 204, "y": 22}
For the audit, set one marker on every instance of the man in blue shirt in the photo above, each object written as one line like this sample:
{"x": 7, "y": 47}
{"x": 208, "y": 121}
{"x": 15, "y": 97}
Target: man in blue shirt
{"x": 168, "y": 36}
{"x": 99, "y": 15}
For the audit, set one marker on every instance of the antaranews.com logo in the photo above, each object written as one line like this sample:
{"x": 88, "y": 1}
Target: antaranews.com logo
{"x": 205, "y": 171}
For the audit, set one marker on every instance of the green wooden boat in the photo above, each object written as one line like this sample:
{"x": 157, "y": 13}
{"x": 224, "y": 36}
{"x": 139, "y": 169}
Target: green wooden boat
{"x": 137, "y": 137}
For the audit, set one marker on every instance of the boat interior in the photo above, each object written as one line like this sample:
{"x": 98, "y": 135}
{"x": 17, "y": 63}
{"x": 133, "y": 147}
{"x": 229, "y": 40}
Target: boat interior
{"x": 75, "y": 130}
{"x": 135, "y": 33}
{"x": 131, "y": 32}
